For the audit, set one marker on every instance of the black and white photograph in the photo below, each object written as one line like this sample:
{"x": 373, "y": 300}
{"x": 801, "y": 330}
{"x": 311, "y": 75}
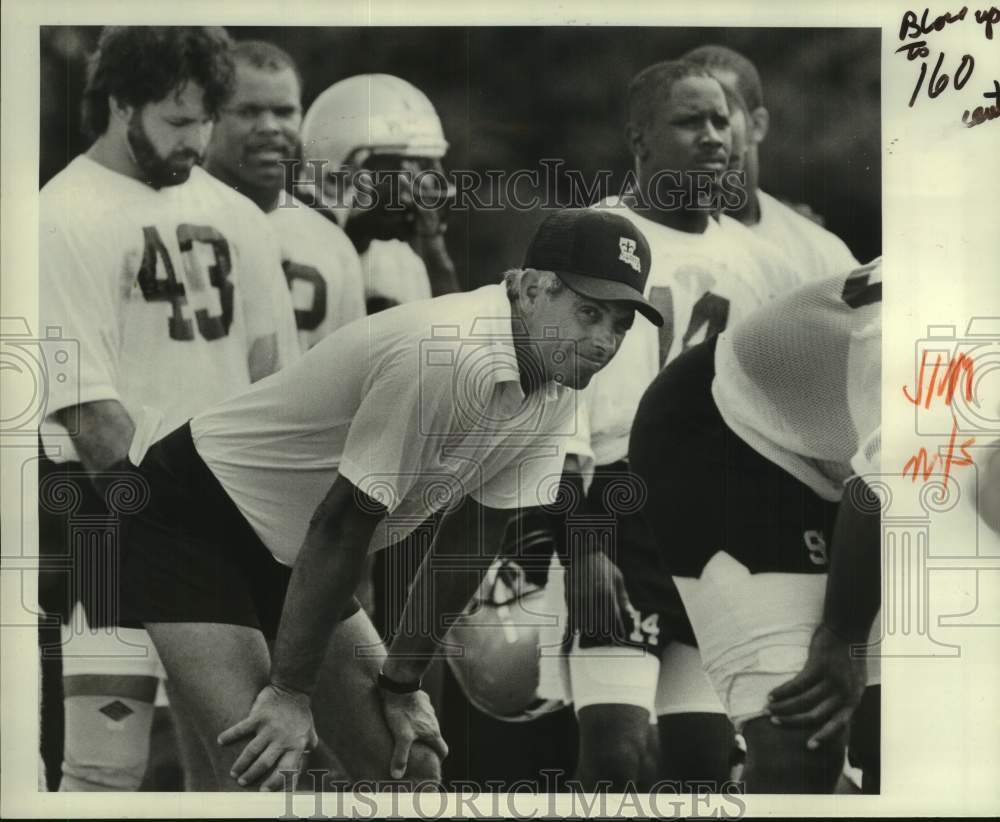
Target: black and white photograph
{"x": 457, "y": 416}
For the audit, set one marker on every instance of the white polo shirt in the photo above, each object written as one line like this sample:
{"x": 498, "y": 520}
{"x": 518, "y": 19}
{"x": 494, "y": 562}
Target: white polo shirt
{"x": 417, "y": 406}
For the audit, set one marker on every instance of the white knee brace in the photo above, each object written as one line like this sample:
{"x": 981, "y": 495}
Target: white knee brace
{"x": 107, "y": 743}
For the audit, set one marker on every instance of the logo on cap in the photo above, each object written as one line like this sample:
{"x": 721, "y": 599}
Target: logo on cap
{"x": 628, "y": 255}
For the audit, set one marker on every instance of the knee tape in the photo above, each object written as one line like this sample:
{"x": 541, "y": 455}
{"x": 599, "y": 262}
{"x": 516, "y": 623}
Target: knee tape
{"x": 107, "y": 743}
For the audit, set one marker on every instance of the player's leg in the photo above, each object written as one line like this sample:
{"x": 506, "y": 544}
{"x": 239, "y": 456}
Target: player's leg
{"x": 613, "y": 690}
{"x": 216, "y": 671}
{"x": 613, "y": 745}
{"x": 54, "y": 600}
{"x": 865, "y": 744}
{"x": 347, "y": 708}
{"x": 753, "y": 632}
{"x": 108, "y": 722}
{"x": 110, "y": 678}
{"x": 696, "y": 735}
{"x": 109, "y": 675}
{"x": 197, "y": 577}
{"x": 199, "y": 773}
{"x": 649, "y": 767}
{"x": 696, "y": 750}
{"x": 612, "y": 678}
{"x": 779, "y": 762}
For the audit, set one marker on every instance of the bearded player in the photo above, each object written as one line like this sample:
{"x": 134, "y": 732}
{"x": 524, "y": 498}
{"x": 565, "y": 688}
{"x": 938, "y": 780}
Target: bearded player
{"x": 168, "y": 280}
{"x": 763, "y": 431}
{"x": 705, "y": 273}
{"x": 372, "y": 148}
{"x": 256, "y": 135}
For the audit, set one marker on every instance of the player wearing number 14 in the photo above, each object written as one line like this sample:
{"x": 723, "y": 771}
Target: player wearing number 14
{"x": 705, "y": 273}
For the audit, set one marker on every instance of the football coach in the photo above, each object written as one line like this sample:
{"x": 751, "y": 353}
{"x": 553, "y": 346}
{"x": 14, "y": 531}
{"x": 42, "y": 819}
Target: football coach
{"x": 261, "y": 510}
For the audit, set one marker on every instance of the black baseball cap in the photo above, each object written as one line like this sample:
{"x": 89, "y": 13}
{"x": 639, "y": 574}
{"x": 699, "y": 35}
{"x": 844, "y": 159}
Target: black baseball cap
{"x": 598, "y": 254}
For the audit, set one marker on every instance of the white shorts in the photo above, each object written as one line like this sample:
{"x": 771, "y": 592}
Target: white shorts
{"x": 753, "y": 630}
{"x": 112, "y": 651}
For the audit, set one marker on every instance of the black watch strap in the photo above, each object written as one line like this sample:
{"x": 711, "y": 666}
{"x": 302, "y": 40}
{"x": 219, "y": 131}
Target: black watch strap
{"x": 394, "y": 687}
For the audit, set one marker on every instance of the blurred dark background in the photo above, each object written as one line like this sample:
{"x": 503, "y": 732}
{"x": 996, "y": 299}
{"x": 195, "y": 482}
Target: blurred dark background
{"x": 509, "y": 97}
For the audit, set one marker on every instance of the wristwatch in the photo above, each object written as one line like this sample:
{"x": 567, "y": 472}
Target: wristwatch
{"x": 394, "y": 687}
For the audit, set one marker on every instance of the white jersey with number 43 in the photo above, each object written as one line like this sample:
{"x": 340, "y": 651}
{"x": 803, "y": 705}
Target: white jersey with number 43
{"x": 701, "y": 283}
{"x": 164, "y": 290}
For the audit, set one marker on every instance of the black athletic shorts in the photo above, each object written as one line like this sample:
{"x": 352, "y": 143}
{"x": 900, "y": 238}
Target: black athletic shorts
{"x": 658, "y": 617}
{"x": 78, "y": 543}
{"x": 608, "y": 516}
{"x": 709, "y": 491}
{"x": 190, "y": 555}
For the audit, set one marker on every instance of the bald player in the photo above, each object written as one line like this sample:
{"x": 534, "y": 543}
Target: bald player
{"x": 763, "y": 519}
{"x": 810, "y": 249}
{"x": 257, "y": 133}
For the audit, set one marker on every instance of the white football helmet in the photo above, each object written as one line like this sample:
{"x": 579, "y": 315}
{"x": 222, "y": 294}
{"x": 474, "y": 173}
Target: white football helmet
{"x": 356, "y": 118}
{"x": 499, "y": 632}
{"x": 374, "y": 113}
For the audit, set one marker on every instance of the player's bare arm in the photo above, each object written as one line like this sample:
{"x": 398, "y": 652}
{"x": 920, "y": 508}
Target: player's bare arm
{"x": 104, "y": 432}
{"x": 262, "y": 359}
{"x": 428, "y": 242}
{"x": 596, "y": 596}
{"x": 326, "y": 573}
{"x": 829, "y": 687}
{"x": 409, "y": 715}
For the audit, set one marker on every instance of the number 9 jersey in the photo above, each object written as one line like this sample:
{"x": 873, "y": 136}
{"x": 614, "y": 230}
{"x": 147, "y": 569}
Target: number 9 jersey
{"x": 165, "y": 290}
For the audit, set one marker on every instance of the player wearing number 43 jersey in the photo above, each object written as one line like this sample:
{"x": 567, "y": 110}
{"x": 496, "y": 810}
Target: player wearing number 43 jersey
{"x": 171, "y": 285}
{"x": 166, "y": 290}
{"x": 746, "y": 444}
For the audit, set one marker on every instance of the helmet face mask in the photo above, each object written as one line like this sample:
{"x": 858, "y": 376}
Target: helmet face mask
{"x": 376, "y": 123}
{"x": 499, "y": 633}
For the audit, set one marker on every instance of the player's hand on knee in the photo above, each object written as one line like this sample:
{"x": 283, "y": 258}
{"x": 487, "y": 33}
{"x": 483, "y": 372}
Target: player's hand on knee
{"x": 824, "y": 693}
{"x": 280, "y": 727}
{"x": 597, "y": 597}
{"x": 410, "y": 718}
